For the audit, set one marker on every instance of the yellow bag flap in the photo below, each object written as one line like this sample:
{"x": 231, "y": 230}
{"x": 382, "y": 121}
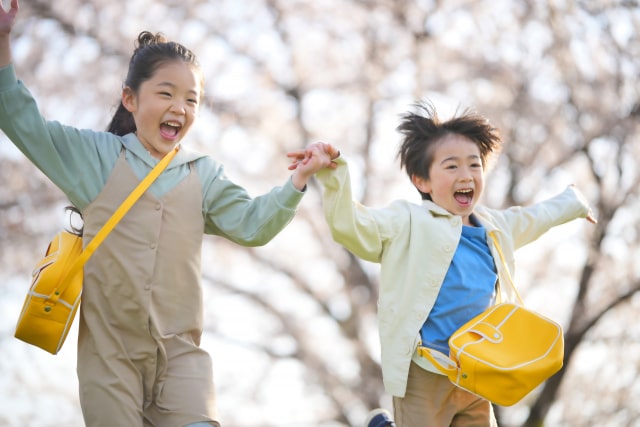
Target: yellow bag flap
{"x": 487, "y": 331}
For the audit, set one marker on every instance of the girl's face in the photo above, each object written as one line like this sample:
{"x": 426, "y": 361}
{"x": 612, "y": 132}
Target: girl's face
{"x": 165, "y": 106}
{"x": 456, "y": 176}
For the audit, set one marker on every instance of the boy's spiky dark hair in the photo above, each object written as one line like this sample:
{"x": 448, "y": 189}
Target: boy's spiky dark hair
{"x": 423, "y": 129}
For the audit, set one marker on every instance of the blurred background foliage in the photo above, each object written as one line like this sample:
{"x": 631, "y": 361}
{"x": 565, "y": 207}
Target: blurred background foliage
{"x": 292, "y": 326}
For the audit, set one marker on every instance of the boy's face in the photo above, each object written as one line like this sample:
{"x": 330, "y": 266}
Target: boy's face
{"x": 456, "y": 176}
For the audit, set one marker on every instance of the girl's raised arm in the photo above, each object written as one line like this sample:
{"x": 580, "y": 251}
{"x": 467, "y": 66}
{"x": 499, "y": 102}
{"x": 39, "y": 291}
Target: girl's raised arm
{"x": 7, "y": 18}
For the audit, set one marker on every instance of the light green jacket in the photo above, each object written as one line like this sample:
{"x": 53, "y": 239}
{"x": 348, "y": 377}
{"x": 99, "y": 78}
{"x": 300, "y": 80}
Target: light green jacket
{"x": 79, "y": 162}
{"x": 414, "y": 245}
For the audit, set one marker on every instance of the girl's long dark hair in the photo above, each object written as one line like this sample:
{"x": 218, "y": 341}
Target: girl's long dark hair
{"x": 151, "y": 51}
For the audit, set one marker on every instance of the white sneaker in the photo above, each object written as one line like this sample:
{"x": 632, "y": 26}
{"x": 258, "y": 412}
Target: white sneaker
{"x": 379, "y": 418}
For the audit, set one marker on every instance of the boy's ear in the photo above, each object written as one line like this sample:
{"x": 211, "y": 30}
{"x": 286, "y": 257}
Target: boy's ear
{"x": 421, "y": 183}
{"x": 129, "y": 99}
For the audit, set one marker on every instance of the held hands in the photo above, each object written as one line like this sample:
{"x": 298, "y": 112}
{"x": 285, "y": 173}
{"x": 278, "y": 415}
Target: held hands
{"x": 310, "y": 160}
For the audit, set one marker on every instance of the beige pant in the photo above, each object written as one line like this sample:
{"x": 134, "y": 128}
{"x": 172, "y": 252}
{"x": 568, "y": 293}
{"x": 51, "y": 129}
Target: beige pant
{"x": 432, "y": 400}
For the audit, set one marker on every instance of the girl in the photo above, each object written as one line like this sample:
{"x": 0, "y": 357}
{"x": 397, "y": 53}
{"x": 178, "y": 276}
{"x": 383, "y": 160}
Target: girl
{"x": 139, "y": 360}
{"x": 438, "y": 267}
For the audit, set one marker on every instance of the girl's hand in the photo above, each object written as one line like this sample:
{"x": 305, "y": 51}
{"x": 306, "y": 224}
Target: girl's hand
{"x": 7, "y": 18}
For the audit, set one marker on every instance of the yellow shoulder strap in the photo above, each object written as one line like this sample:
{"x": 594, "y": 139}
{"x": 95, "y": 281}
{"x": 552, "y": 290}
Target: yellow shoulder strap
{"x": 506, "y": 269}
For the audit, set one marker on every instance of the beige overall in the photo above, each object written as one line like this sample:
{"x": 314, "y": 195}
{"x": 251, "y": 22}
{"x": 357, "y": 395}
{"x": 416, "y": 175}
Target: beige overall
{"x": 139, "y": 361}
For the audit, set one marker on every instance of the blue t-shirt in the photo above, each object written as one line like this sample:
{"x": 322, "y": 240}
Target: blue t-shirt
{"x": 468, "y": 289}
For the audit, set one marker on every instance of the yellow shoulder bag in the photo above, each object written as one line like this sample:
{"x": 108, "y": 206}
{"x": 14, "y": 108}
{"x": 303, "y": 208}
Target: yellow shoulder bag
{"x": 56, "y": 286}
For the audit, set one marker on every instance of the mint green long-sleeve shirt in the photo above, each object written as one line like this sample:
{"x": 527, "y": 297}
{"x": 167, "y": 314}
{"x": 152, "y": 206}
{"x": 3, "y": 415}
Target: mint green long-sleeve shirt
{"x": 79, "y": 162}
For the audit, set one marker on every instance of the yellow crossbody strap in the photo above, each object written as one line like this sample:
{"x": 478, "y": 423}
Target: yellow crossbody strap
{"x": 506, "y": 269}
{"x": 113, "y": 221}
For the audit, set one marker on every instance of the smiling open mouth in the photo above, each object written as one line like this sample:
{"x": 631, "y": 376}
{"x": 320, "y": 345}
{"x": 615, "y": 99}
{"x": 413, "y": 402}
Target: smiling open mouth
{"x": 464, "y": 197}
{"x": 170, "y": 129}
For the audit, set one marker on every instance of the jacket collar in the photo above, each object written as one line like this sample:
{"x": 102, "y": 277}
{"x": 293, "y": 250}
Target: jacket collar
{"x": 478, "y": 213}
{"x": 436, "y": 210}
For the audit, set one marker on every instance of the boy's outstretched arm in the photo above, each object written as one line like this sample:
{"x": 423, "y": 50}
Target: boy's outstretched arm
{"x": 7, "y": 19}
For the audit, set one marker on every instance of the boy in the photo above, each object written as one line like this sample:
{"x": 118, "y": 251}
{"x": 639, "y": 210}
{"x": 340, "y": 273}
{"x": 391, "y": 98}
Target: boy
{"x": 438, "y": 267}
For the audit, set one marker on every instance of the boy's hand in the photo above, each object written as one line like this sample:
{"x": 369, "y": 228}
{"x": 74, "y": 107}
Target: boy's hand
{"x": 589, "y": 216}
